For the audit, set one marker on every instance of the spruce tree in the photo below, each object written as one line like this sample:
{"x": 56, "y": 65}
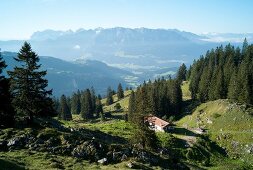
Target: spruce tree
{"x": 64, "y": 109}
{"x": 93, "y": 99}
{"x": 181, "y": 74}
{"x": 143, "y": 135}
{"x": 6, "y": 109}
{"x": 120, "y": 92}
{"x": 28, "y": 86}
{"x": 99, "y": 107}
{"x": 99, "y": 97}
{"x": 75, "y": 103}
{"x": 86, "y": 105}
{"x": 109, "y": 96}
{"x": 244, "y": 46}
{"x": 233, "y": 88}
{"x": 204, "y": 85}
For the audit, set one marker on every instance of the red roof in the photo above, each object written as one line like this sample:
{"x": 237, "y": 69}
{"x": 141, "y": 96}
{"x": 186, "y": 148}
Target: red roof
{"x": 156, "y": 121}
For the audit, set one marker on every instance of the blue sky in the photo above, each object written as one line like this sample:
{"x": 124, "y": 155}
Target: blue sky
{"x": 20, "y": 18}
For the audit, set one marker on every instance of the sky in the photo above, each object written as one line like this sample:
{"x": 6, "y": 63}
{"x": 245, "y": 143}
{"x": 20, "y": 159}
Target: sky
{"x": 19, "y": 19}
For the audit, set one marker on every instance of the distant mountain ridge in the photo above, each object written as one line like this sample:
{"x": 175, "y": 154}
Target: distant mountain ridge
{"x": 142, "y": 52}
{"x": 66, "y": 77}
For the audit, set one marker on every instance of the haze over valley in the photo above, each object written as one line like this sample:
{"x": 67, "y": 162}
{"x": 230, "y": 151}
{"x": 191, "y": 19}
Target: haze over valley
{"x": 138, "y": 54}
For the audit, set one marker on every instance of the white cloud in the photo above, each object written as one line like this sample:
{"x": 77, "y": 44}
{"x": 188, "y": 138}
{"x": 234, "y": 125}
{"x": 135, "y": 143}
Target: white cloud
{"x": 77, "y": 47}
{"x": 225, "y": 39}
{"x": 131, "y": 66}
{"x": 169, "y": 61}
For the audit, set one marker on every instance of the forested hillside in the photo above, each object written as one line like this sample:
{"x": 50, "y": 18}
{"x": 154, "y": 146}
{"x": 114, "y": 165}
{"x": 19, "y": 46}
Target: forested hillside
{"x": 224, "y": 72}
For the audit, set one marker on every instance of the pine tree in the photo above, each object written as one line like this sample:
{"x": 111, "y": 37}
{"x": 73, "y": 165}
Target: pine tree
{"x": 120, "y": 92}
{"x": 93, "y": 99}
{"x": 99, "y": 107}
{"x": 233, "y": 88}
{"x": 86, "y": 105}
{"x": 143, "y": 135}
{"x": 204, "y": 85}
{"x": 64, "y": 109}
{"x": 99, "y": 97}
{"x": 244, "y": 46}
{"x": 245, "y": 80}
{"x": 75, "y": 103}
{"x": 109, "y": 99}
{"x": 57, "y": 106}
{"x": 6, "y": 109}
{"x": 181, "y": 74}
{"x": 28, "y": 86}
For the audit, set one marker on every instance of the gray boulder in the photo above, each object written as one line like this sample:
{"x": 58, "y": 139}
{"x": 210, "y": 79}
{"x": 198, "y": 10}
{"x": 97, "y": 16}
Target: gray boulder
{"x": 103, "y": 161}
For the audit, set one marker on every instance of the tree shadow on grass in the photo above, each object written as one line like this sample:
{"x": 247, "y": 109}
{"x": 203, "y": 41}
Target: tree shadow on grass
{"x": 6, "y": 164}
{"x": 101, "y": 136}
{"x": 188, "y": 107}
{"x": 183, "y": 131}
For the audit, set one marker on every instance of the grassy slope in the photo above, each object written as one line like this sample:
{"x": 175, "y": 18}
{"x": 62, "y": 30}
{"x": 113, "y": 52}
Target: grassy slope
{"x": 185, "y": 90}
{"x": 224, "y": 124}
{"x": 23, "y": 159}
{"x": 123, "y": 102}
{"x": 230, "y": 125}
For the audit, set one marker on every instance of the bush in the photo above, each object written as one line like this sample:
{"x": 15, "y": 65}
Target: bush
{"x": 166, "y": 140}
{"x": 216, "y": 115}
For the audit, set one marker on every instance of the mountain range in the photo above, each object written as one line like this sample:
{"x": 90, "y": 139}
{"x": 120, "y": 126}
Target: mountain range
{"x": 102, "y": 57}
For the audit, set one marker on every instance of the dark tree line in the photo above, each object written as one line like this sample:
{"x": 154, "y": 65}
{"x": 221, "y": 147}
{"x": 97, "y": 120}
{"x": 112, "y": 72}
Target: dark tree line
{"x": 160, "y": 98}
{"x": 85, "y": 103}
{"x": 224, "y": 72}
{"x": 6, "y": 108}
{"x": 24, "y": 95}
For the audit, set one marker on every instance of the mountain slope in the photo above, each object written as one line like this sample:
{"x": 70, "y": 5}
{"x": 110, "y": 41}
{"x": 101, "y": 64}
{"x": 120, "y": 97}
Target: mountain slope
{"x": 230, "y": 125}
{"x": 66, "y": 77}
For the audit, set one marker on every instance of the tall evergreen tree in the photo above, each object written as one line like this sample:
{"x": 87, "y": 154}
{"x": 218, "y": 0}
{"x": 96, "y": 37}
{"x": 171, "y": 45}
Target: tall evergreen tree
{"x": 244, "y": 46}
{"x": 57, "y": 106}
{"x": 28, "y": 86}
{"x": 86, "y": 105}
{"x": 143, "y": 135}
{"x": 181, "y": 74}
{"x": 75, "y": 103}
{"x": 99, "y": 107}
{"x": 6, "y": 109}
{"x": 233, "y": 88}
{"x": 65, "y": 113}
{"x": 120, "y": 92}
{"x": 99, "y": 97}
{"x": 204, "y": 85}
{"x": 93, "y": 99}
{"x": 109, "y": 96}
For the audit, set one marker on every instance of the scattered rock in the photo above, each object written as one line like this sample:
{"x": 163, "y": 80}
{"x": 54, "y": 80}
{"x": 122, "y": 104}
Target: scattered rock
{"x": 124, "y": 157}
{"x": 88, "y": 150}
{"x": 16, "y": 142}
{"x": 130, "y": 165}
{"x": 103, "y": 161}
{"x": 234, "y": 144}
